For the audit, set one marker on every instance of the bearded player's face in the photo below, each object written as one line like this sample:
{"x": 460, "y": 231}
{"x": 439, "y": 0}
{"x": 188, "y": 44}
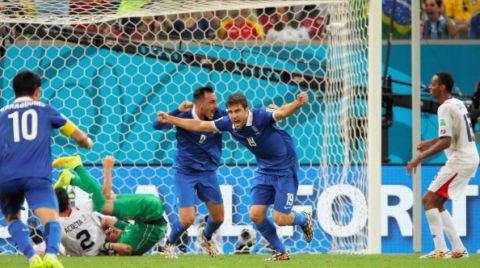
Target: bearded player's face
{"x": 207, "y": 106}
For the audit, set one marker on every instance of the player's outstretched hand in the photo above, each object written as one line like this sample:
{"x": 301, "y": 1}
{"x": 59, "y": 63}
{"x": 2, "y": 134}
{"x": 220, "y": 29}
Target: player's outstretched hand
{"x": 302, "y": 98}
{"x": 162, "y": 117}
{"x": 108, "y": 161}
{"x": 185, "y": 106}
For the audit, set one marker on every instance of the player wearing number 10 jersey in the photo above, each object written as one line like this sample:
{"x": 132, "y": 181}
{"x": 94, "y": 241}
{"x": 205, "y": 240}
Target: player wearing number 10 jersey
{"x": 25, "y": 165}
{"x": 456, "y": 138}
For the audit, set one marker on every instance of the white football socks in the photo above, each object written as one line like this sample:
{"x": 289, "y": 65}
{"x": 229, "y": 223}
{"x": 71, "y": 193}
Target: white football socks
{"x": 449, "y": 228}
{"x": 435, "y": 223}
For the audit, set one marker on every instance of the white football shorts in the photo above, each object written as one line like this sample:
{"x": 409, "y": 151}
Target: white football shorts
{"x": 452, "y": 182}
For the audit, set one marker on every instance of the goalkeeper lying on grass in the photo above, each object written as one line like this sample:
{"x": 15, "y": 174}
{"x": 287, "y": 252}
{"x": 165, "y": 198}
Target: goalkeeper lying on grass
{"x": 146, "y": 210}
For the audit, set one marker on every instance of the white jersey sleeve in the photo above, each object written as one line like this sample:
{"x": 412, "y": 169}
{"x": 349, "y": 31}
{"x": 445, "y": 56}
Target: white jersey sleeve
{"x": 444, "y": 121}
{"x": 82, "y": 234}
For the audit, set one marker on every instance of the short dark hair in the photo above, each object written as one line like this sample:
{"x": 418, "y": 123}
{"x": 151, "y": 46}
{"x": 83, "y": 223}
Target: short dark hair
{"x": 25, "y": 83}
{"x": 445, "y": 79}
{"x": 437, "y": 2}
{"x": 63, "y": 200}
{"x": 237, "y": 98}
{"x": 199, "y": 93}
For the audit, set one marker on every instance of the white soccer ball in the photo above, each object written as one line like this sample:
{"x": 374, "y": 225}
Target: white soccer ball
{"x": 247, "y": 237}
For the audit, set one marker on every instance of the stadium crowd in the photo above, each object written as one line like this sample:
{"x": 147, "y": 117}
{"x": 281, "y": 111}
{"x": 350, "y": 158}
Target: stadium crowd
{"x": 441, "y": 19}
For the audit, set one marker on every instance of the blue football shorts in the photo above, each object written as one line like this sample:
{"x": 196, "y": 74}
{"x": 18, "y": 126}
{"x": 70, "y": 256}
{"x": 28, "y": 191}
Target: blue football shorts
{"x": 201, "y": 184}
{"x": 38, "y": 192}
{"x": 277, "y": 189}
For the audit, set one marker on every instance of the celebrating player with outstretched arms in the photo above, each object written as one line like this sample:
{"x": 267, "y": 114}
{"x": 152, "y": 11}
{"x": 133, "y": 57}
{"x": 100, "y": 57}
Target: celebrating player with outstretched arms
{"x": 196, "y": 164}
{"x": 276, "y": 180}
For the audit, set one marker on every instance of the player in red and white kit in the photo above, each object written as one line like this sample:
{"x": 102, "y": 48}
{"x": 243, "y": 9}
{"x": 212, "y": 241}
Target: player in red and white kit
{"x": 82, "y": 233}
{"x": 456, "y": 138}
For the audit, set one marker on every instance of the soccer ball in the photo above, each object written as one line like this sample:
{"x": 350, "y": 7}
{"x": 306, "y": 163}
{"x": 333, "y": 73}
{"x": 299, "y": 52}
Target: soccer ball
{"x": 246, "y": 240}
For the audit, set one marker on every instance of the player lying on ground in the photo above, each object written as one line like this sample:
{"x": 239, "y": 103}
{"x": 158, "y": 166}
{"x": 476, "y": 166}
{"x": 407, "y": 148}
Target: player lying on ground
{"x": 82, "y": 232}
{"x": 276, "y": 181}
{"x": 146, "y": 210}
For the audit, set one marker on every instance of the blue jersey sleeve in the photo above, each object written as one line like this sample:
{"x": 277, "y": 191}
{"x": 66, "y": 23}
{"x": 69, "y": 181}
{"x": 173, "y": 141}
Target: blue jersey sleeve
{"x": 56, "y": 119}
{"x": 223, "y": 123}
{"x": 265, "y": 118}
{"x": 159, "y": 126}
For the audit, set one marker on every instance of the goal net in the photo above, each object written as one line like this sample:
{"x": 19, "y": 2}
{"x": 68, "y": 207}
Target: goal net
{"x": 109, "y": 66}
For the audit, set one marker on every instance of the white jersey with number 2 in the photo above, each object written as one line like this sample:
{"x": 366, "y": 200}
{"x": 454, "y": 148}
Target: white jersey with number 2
{"x": 82, "y": 234}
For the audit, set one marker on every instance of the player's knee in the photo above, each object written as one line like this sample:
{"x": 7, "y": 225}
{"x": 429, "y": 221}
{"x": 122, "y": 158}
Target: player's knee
{"x": 257, "y": 218}
{"x": 218, "y": 218}
{"x": 187, "y": 220}
{"x": 280, "y": 220}
{"x": 427, "y": 202}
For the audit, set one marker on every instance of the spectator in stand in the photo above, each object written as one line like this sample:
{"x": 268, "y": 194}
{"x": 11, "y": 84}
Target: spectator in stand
{"x": 475, "y": 26}
{"x": 315, "y": 19}
{"x": 435, "y": 25}
{"x": 267, "y": 17}
{"x": 461, "y": 11}
{"x": 239, "y": 25}
{"x": 102, "y": 28}
{"x": 286, "y": 27}
{"x": 144, "y": 28}
{"x": 195, "y": 25}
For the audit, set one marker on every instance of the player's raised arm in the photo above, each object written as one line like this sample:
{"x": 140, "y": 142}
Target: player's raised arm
{"x": 290, "y": 108}
{"x": 184, "y": 107}
{"x": 187, "y": 124}
{"x": 70, "y": 130}
{"x": 107, "y": 163}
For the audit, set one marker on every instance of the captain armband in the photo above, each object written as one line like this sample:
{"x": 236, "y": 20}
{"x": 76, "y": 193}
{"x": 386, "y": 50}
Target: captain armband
{"x": 68, "y": 129}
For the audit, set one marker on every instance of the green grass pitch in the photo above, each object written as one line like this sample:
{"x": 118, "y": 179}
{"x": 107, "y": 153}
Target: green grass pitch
{"x": 248, "y": 261}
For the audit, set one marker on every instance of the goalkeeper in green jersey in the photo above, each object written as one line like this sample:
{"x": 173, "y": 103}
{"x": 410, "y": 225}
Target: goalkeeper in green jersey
{"x": 146, "y": 210}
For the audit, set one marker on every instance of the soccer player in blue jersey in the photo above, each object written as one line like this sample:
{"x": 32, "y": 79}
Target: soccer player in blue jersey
{"x": 196, "y": 163}
{"x": 25, "y": 165}
{"x": 276, "y": 180}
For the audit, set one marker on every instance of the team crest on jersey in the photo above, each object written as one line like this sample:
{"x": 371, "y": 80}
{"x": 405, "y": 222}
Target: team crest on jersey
{"x": 442, "y": 122}
{"x": 443, "y": 131}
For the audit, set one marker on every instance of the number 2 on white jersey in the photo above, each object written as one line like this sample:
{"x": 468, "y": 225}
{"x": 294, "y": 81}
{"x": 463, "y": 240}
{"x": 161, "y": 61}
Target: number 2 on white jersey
{"x": 20, "y": 125}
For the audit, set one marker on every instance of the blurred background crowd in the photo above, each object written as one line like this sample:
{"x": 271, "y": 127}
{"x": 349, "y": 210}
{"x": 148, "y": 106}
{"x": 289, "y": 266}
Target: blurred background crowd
{"x": 441, "y": 19}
